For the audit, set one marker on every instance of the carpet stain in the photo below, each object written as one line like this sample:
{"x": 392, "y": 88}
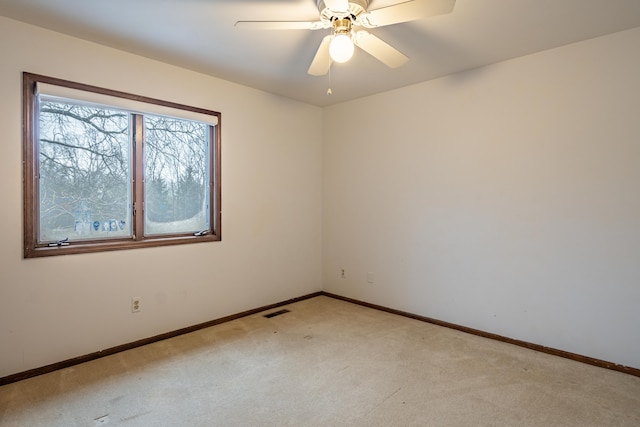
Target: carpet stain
{"x": 133, "y": 417}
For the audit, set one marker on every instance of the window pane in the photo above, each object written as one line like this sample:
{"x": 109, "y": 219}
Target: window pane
{"x": 176, "y": 176}
{"x": 84, "y": 166}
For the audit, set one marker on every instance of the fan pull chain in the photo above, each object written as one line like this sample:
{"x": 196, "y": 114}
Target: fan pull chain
{"x": 329, "y": 91}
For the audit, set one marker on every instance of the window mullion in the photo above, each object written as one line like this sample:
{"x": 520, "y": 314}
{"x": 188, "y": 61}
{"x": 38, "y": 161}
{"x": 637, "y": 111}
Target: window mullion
{"x": 138, "y": 177}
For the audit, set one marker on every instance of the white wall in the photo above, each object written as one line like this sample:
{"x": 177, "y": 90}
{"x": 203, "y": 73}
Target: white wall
{"x": 57, "y": 308}
{"x": 506, "y": 198}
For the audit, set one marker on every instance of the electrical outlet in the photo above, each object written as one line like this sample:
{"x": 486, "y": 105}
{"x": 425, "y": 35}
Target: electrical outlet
{"x": 136, "y": 304}
{"x": 342, "y": 273}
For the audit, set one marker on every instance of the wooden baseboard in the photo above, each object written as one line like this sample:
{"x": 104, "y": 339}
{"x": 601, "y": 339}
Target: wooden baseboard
{"x": 549, "y": 350}
{"x": 113, "y": 350}
{"x": 117, "y": 349}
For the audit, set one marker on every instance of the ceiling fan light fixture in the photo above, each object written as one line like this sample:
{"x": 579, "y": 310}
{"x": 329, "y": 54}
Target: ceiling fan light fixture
{"x": 341, "y": 48}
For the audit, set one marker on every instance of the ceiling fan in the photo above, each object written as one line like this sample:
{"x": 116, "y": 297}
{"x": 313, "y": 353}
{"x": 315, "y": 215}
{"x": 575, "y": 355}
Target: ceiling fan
{"x": 342, "y": 16}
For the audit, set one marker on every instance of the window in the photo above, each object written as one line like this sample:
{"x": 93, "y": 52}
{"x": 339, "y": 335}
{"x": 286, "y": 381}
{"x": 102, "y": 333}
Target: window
{"x": 106, "y": 170}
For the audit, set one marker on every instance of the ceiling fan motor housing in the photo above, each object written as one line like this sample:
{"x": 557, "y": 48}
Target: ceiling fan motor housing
{"x": 356, "y": 7}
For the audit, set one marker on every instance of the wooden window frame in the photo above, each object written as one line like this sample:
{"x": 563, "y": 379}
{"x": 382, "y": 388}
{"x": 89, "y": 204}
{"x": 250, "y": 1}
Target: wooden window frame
{"x": 33, "y": 248}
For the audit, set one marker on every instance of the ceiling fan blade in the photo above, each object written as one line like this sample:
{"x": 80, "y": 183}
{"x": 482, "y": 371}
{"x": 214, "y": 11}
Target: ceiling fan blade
{"x": 380, "y": 50}
{"x": 322, "y": 61}
{"x": 280, "y": 25}
{"x": 337, "y": 5}
{"x": 407, "y": 11}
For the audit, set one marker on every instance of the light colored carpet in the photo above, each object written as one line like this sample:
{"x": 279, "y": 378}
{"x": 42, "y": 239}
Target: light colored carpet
{"x": 325, "y": 363}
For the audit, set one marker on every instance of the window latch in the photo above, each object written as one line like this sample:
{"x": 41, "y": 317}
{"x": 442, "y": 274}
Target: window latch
{"x": 201, "y": 233}
{"x": 63, "y": 242}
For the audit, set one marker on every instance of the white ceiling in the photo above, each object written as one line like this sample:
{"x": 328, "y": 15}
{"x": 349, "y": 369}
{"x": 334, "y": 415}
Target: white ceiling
{"x": 200, "y": 35}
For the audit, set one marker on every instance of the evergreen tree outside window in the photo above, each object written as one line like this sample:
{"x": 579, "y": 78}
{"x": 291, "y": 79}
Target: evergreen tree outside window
{"x": 175, "y": 169}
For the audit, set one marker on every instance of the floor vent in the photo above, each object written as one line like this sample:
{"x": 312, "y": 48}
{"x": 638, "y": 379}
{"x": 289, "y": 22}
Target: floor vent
{"x": 276, "y": 313}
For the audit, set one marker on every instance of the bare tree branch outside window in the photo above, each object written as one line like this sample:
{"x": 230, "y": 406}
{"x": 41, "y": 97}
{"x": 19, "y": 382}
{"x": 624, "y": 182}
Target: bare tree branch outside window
{"x": 84, "y": 171}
